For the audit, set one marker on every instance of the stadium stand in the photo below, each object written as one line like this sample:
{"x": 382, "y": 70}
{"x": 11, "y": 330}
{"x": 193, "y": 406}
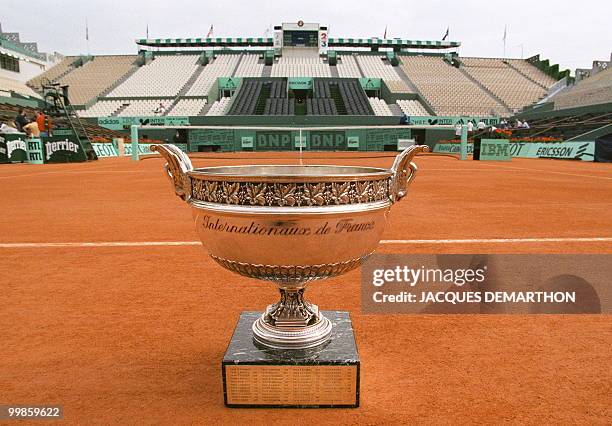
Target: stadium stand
{"x": 8, "y": 85}
{"x": 222, "y": 66}
{"x": 250, "y": 66}
{"x": 103, "y": 108}
{"x": 354, "y": 99}
{"x": 379, "y": 106}
{"x": 53, "y": 73}
{"x": 88, "y": 81}
{"x": 565, "y": 127}
{"x": 245, "y": 101}
{"x": 593, "y": 90}
{"x": 447, "y": 89}
{"x": 262, "y": 96}
{"x": 186, "y": 82}
{"x": 531, "y": 72}
{"x": 376, "y": 67}
{"x": 300, "y": 63}
{"x": 580, "y": 112}
{"x": 164, "y": 76}
{"x": 276, "y": 100}
{"x": 187, "y": 107}
{"x": 322, "y": 102}
{"x": 510, "y": 86}
{"x": 280, "y": 106}
{"x": 412, "y": 107}
{"x": 8, "y": 113}
{"x": 143, "y": 107}
{"x": 219, "y": 107}
{"x": 347, "y": 67}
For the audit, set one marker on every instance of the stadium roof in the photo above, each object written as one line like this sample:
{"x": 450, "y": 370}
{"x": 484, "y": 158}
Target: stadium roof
{"x": 18, "y": 48}
{"x": 268, "y": 41}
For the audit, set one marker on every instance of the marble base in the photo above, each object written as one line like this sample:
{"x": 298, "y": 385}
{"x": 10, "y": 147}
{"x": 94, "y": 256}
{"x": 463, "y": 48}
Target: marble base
{"x": 324, "y": 376}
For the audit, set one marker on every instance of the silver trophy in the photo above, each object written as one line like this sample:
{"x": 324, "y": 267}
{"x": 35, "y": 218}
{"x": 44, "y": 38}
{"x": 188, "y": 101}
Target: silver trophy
{"x": 290, "y": 224}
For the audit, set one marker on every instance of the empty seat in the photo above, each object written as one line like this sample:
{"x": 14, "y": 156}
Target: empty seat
{"x": 187, "y": 107}
{"x": 300, "y": 63}
{"x": 95, "y": 76}
{"x": 164, "y": 76}
{"x": 219, "y": 107}
{"x": 380, "y": 107}
{"x": 412, "y": 107}
{"x": 8, "y": 85}
{"x": 376, "y": 67}
{"x": 221, "y": 66}
{"x": 250, "y": 66}
{"x": 447, "y": 89}
{"x": 347, "y": 67}
{"x": 513, "y": 88}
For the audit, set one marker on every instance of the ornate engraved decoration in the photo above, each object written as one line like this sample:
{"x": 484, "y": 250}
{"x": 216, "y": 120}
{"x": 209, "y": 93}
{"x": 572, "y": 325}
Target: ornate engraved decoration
{"x": 289, "y": 273}
{"x": 290, "y": 194}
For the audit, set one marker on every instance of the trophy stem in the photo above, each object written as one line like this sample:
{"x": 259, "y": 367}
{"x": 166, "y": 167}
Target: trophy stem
{"x": 292, "y": 322}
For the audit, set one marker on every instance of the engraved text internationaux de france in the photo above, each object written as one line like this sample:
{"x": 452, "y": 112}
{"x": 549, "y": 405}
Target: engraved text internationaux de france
{"x": 286, "y": 228}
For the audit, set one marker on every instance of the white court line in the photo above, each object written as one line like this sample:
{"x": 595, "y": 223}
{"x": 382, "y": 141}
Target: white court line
{"x": 59, "y": 172}
{"x": 502, "y": 240}
{"x": 390, "y": 242}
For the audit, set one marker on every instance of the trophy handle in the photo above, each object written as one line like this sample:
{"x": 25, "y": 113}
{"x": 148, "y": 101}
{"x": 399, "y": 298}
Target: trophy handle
{"x": 404, "y": 170}
{"x": 177, "y": 166}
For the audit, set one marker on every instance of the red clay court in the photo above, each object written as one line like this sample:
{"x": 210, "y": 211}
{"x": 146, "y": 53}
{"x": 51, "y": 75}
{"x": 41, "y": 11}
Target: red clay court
{"x": 110, "y": 306}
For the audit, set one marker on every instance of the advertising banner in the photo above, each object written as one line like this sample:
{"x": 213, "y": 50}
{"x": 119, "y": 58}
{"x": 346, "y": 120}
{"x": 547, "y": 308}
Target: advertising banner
{"x": 429, "y": 120}
{"x": 121, "y": 123}
{"x": 62, "y": 149}
{"x": 105, "y": 150}
{"x": 13, "y": 148}
{"x": 109, "y": 150}
{"x": 495, "y": 150}
{"x": 299, "y": 83}
{"x": 583, "y": 151}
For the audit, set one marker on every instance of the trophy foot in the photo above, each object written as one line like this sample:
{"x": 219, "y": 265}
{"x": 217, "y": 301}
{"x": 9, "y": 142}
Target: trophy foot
{"x": 292, "y": 323}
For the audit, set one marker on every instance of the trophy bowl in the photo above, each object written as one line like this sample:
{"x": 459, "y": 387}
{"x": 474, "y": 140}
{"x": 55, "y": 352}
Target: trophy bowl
{"x": 290, "y": 224}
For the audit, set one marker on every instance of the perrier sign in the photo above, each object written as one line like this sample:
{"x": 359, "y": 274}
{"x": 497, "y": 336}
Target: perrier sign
{"x": 62, "y": 149}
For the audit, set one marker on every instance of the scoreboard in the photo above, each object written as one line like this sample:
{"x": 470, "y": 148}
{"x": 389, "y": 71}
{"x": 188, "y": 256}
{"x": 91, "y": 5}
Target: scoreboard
{"x": 301, "y": 38}
{"x": 300, "y": 34}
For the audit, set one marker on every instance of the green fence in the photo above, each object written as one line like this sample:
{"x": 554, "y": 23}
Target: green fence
{"x": 227, "y": 139}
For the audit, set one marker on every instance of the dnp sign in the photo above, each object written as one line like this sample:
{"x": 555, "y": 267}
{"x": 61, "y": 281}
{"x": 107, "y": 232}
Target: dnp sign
{"x": 327, "y": 141}
{"x": 273, "y": 141}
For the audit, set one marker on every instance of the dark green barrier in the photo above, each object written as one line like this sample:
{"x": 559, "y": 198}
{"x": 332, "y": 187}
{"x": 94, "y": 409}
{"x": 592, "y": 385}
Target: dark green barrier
{"x": 13, "y": 148}
{"x": 381, "y": 139}
{"x": 62, "y": 149}
{"x": 363, "y": 139}
{"x": 221, "y": 138}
